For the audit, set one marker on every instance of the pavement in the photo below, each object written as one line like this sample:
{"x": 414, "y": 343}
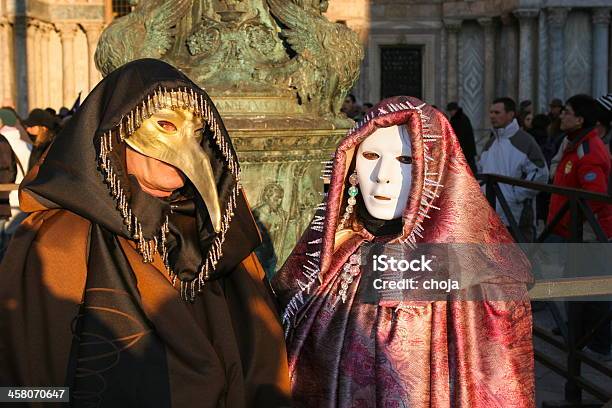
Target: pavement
{"x": 549, "y": 385}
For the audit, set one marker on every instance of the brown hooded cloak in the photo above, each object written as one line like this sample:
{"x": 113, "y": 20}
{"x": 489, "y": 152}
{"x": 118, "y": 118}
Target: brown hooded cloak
{"x": 128, "y": 299}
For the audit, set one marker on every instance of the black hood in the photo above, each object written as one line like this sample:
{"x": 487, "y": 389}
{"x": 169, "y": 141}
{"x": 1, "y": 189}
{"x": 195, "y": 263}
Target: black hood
{"x": 84, "y": 172}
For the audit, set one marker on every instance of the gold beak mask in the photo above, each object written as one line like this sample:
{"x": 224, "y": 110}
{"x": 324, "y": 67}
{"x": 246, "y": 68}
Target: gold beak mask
{"x": 174, "y": 136}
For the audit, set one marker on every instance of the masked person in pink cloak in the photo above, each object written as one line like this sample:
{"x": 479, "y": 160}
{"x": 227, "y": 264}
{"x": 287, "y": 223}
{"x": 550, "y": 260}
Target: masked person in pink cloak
{"x": 399, "y": 177}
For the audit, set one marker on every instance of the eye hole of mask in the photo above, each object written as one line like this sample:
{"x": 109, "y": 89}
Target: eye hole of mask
{"x": 370, "y": 155}
{"x": 167, "y": 126}
{"x": 404, "y": 159}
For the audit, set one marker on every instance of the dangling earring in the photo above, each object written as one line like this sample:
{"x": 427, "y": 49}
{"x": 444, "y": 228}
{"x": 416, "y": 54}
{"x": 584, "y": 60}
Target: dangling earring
{"x": 353, "y": 191}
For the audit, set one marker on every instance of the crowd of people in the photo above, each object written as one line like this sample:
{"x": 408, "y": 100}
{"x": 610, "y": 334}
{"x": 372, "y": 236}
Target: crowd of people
{"x": 532, "y": 146}
{"x": 23, "y": 141}
{"x": 568, "y": 147}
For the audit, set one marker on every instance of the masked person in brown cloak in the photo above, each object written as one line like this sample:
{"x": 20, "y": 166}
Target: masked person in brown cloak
{"x": 133, "y": 281}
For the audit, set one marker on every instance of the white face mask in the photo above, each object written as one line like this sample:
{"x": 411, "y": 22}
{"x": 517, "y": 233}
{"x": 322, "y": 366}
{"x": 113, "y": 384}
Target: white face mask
{"x": 384, "y": 171}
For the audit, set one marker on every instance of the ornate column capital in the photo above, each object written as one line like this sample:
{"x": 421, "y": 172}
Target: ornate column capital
{"x": 526, "y": 14}
{"x": 507, "y": 19}
{"x": 67, "y": 31}
{"x": 92, "y": 26}
{"x": 92, "y": 31}
{"x": 601, "y": 15}
{"x": 32, "y": 23}
{"x": 488, "y": 25}
{"x": 49, "y": 27}
{"x": 557, "y": 16}
{"x": 485, "y": 21}
{"x": 453, "y": 25}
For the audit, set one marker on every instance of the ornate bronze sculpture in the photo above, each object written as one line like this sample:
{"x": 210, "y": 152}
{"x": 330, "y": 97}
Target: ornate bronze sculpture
{"x": 279, "y": 71}
{"x": 241, "y": 46}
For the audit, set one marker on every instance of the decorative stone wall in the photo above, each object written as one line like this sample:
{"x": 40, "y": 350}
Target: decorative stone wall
{"x": 578, "y": 53}
{"x": 471, "y": 71}
{"x": 47, "y": 51}
{"x": 526, "y": 49}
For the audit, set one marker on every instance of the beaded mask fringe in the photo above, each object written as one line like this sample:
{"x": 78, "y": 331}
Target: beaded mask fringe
{"x": 183, "y": 98}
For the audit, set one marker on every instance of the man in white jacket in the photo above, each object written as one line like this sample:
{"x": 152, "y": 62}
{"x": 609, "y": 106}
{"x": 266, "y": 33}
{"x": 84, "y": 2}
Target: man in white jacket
{"x": 513, "y": 152}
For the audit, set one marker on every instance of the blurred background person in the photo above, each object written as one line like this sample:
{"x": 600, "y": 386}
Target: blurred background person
{"x": 512, "y": 152}
{"x": 18, "y": 124}
{"x": 554, "y": 129}
{"x": 465, "y": 133}
{"x": 15, "y": 154}
{"x": 41, "y": 126}
{"x": 8, "y": 173}
{"x": 584, "y": 163}
{"x": 351, "y": 108}
{"x": 365, "y": 108}
{"x": 525, "y": 108}
{"x": 604, "y": 119}
{"x": 604, "y": 127}
{"x": 539, "y": 131}
{"x": 525, "y": 120}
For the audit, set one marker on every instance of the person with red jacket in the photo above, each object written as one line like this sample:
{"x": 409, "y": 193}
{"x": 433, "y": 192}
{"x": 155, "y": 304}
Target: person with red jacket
{"x": 583, "y": 162}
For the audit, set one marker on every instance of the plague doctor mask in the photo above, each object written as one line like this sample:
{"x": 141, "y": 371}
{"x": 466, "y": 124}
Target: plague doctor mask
{"x": 174, "y": 136}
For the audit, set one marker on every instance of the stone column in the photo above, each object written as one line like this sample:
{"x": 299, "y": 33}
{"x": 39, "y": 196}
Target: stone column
{"x": 3, "y": 61}
{"x": 7, "y": 65}
{"x": 452, "y": 28}
{"x": 610, "y": 59}
{"x": 527, "y": 47}
{"x": 601, "y": 24}
{"x": 30, "y": 61}
{"x": 45, "y": 43}
{"x": 511, "y": 57}
{"x": 556, "y": 44}
{"x": 67, "y": 33}
{"x": 38, "y": 68}
{"x": 489, "y": 65}
{"x": 92, "y": 32}
{"x": 542, "y": 102}
{"x": 19, "y": 49}
{"x": 442, "y": 69}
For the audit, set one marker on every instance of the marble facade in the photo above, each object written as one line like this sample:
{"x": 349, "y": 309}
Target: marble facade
{"x": 473, "y": 50}
{"x": 47, "y": 51}
{"x": 525, "y": 49}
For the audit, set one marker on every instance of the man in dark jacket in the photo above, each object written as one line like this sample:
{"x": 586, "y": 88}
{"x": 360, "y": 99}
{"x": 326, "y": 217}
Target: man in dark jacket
{"x": 463, "y": 129}
{"x": 8, "y": 173}
{"x": 40, "y": 124}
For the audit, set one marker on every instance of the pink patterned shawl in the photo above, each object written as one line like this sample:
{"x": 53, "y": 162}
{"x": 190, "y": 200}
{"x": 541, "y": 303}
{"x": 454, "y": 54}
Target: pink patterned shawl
{"x": 475, "y": 354}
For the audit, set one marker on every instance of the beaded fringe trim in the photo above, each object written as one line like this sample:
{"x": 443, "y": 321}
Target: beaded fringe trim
{"x": 181, "y": 98}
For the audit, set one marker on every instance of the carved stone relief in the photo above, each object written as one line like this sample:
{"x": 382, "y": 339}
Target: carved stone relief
{"x": 578, "y": 54}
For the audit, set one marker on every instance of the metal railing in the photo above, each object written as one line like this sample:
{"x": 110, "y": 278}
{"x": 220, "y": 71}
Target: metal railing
{"x": 545, "y": 289}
